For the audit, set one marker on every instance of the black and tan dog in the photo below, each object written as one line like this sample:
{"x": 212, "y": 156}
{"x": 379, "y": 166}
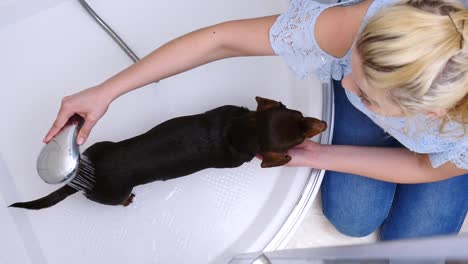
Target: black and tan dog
{"x": 224, "y": 137}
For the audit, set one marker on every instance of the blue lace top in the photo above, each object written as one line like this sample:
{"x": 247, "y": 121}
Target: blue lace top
{"x": 292, "y": 37}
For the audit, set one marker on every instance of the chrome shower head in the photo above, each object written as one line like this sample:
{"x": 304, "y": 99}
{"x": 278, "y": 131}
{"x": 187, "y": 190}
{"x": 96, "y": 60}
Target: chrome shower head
{"x": 59, "y": 159}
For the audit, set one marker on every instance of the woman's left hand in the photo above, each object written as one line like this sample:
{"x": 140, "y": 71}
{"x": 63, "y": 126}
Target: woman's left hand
{"x": 302, "y": 155}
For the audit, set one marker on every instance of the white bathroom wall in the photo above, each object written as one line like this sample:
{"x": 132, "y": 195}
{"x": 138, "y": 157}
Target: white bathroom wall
{"x": 12, "y": 11}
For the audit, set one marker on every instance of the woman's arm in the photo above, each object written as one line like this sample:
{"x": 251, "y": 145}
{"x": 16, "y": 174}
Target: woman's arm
{"x": 335, "y": 31}
{"x": 248, "y": 37}
{"x": 230, "y": 39}
{"x": 397, "y": 165}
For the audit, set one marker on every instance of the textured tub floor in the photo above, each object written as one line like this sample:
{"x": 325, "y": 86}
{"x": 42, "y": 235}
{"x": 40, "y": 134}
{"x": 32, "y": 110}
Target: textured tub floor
{"x": 316, "y": 231}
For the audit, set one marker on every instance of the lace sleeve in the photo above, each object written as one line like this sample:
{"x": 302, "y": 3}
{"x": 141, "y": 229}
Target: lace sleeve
{"x": 292, "y": 37}
{"x": 457, "y": 155}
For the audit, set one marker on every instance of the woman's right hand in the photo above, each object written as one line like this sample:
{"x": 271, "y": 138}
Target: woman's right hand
{"x": 91, "y": 104}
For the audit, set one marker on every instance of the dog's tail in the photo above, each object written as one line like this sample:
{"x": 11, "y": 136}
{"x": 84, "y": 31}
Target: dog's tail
{"x": 48, "y": 200}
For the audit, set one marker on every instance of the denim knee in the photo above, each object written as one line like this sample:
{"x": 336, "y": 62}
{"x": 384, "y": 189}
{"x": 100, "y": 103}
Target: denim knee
{"x": 353, "y": 225}
{"x": 427, "y": 209}
{"x": 355, "y": 205}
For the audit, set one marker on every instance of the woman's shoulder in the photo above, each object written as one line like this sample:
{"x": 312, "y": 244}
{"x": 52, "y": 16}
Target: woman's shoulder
{"x": 337, "y": 25}
{"x": 312, "y": 36}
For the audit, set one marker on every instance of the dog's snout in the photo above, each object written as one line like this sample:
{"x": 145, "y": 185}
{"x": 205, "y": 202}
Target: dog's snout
{"x": 322, "y": 125}
{"x": 313, "y": 126}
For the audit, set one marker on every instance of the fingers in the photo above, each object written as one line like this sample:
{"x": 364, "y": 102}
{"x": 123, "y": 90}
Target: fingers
{"x": 305, "y": 154}
{"x": 90, "y": 103}
{"x": 85, "y": 130}
{"x": 298, "y": 158}
{"x": 59, "y": 122}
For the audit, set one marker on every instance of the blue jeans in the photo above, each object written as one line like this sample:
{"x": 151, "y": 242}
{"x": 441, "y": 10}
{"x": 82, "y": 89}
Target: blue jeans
{"x": 357, "y": 205}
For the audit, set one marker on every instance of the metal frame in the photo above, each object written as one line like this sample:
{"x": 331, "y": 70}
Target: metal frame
{"x": 433, "y": 250}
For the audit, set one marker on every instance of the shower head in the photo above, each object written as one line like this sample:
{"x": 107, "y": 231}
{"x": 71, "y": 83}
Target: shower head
{"x": 59, "y": 159}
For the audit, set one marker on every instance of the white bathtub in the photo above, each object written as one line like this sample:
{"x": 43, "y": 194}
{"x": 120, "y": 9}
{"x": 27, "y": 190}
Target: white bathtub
{"x": 50, "y": 49}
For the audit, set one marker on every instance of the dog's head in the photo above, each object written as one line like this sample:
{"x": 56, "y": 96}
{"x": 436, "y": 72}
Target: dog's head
{"x": 280, "y": 129}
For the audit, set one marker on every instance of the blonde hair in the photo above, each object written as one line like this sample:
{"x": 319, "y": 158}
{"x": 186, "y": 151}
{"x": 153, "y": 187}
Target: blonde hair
{"x": 416, "y": 51}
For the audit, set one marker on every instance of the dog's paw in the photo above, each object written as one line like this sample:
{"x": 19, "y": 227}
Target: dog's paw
{"x": 129, "y": 200}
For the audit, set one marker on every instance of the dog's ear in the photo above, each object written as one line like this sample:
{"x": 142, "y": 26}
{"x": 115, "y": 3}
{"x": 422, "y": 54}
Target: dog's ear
{"x": 274, "y": 159}
{"x": 264, "y": 104}
{"x": 312, "y": 126}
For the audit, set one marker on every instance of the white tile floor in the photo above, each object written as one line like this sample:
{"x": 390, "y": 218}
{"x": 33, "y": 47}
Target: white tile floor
{"x": 316, "y": 231}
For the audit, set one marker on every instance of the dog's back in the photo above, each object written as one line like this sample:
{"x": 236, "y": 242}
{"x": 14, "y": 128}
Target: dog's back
{"x": 179, "y": 147}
